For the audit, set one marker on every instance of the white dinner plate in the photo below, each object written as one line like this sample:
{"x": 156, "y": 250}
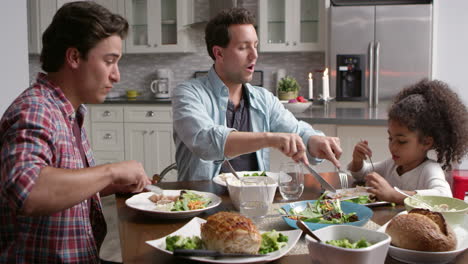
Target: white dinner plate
{"x": 141, "y": 203}
{"x": 414, "y": 256}
{"x": 347, "y": 193}
{"x": 221, "y": 178}
{"x": 192, "y": 228}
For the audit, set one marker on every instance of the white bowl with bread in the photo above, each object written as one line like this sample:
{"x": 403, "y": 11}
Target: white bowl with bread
{"x": 454, "y": 210}
{"x": 325, "y": 253}
{"x": 422, "y": 236}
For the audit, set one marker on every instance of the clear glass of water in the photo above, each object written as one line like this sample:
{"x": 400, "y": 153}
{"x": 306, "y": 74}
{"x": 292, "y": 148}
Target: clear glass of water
{"x": 291, "y": 181}
{"x": 253, "y": 198}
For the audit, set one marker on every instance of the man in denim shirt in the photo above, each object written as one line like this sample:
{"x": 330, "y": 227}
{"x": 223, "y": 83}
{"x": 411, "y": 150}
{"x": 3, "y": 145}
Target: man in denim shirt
{"x": 221, "y": 116}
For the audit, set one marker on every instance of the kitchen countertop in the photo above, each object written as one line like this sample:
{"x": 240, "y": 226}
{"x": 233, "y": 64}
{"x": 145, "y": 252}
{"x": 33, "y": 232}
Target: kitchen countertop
{"x": 337, "y": 113}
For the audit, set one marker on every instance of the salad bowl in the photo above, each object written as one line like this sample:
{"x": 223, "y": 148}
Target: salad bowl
{"x": 362, "y": 212}
{"x": 325, "y": 253}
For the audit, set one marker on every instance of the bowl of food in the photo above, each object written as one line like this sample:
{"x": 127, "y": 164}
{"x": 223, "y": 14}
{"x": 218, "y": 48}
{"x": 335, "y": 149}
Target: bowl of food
{"x": 297, "y": 107}
{"x": 422, "y": 236}
{"x": 454, "y": 210}
{"x": 321, "y": 213}
{"x": 251, "y": 186}
{"x": 348, "y": 244}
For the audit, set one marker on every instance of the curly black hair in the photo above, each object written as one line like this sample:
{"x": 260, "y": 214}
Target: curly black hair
{"x": 431, "y": 108}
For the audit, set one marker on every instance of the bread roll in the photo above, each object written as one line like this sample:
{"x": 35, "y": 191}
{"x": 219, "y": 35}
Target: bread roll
{"x": 230, "y": 233}
{"x": 422, "y": 230}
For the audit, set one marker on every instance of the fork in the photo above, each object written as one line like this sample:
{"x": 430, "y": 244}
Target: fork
{"x": 372, "y": 163}
{"x": 343, "y": 178}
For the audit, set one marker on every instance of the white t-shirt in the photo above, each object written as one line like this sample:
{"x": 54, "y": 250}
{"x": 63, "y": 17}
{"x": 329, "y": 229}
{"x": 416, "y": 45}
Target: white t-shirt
{"x": 426, "y": 179}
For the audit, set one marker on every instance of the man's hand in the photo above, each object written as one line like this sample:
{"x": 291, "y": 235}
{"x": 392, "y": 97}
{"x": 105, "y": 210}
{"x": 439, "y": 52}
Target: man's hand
{"x": 289, "y": 144}
{"x": 130, "y": 175}
{"x": 325, "y": 148}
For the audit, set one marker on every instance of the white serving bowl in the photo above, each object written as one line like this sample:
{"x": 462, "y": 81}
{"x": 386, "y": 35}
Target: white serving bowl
{"x": 324, "y": 253}
{"x": 297, "y": 107}
{"x": 234, "y": 188}
{"x": 455, "y": 217}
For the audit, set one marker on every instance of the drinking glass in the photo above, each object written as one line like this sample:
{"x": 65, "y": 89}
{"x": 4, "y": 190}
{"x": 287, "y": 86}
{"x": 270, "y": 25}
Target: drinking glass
{"x": 254, "y": 197}
{"x": 291, "y": 181}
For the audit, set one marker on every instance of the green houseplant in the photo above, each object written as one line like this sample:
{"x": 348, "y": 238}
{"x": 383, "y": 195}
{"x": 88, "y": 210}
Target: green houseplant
{"x": 288, "y": 88}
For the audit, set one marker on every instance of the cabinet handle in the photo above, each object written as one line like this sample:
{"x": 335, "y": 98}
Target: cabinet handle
{"x": 287, "y": 43}
{"x": 155, "y": 45}
{"x": 106, "y": 113}
{"x": 107, "y": 136}
{"x": 148, "y": 45}
{"x": 294, "y": 43}
{"x": 151, "y": 132}
{"x": 144, "y": 132}
{"x": 150, "y": 113}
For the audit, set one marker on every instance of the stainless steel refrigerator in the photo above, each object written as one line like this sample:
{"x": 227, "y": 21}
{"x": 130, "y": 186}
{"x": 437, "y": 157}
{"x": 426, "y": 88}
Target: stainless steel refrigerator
{"x": 377, "y": 49}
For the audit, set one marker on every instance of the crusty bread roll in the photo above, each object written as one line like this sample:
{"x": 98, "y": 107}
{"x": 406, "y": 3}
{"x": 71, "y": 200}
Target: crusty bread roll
{"x": 422, "y": 230}
{"x": 230, "y": 233}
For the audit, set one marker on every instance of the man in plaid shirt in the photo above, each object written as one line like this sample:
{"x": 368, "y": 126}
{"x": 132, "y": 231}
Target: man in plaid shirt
{"x": 50, "y": 208}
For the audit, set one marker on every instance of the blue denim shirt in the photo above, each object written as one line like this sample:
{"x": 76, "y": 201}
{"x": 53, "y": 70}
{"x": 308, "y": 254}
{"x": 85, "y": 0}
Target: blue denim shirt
{"x": 200, "y": 131}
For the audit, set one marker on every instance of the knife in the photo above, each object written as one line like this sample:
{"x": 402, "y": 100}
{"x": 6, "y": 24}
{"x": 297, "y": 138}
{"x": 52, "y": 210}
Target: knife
{"x": 154, "y": 188}
{"x": 210, "y": 253}
{"x": 321, "y": 180}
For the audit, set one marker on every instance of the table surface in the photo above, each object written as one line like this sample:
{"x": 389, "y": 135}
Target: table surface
{"x": 135, "y": 227}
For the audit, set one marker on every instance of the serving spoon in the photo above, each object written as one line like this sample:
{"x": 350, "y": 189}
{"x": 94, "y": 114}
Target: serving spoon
{"x": 412, "y": 197}
{"x": 307, "y": 230}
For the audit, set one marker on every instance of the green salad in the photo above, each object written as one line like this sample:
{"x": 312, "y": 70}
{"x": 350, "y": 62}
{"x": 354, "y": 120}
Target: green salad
{"x": 190, "y": 201}
{"x": 256, "y": 174}
{"x": 180, "y": 242}
{"x": 346, "y": 243}
{"x": 324, "y": 212}
{"x": 363, "y": 199}
{"x": 271, "y": 241}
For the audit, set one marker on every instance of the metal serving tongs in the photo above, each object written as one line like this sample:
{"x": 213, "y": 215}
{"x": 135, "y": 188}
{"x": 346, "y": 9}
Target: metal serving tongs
{"x": 229, "y": 166}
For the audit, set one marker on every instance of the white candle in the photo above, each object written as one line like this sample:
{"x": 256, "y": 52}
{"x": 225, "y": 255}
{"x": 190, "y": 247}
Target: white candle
{"x": 311, "y": 86}
{"x": 325, "y": 92}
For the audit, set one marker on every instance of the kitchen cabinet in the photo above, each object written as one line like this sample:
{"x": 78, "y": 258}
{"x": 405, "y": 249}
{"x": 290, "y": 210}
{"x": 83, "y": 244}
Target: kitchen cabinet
{"x": 142, "y": 133}
{"x": 293, "y": 25}
{"x": 349, "y": 136}
{"x": 157, "y": 25}
{"x": 40, "y": 14}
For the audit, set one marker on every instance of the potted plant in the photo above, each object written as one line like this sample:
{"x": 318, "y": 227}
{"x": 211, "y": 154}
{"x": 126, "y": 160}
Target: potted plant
{"x": 288, "y": 88}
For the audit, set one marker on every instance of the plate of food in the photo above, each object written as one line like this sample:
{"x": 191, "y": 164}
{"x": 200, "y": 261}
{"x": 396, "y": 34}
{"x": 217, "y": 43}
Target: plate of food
{"x": 321, "y": 213}
{"x": 200, "y": 234}
{"x": 422, "y": 236}
{"x": 357, "y": 195}
{"x": 173, "y": 204}
{"x": 221, "y": 178}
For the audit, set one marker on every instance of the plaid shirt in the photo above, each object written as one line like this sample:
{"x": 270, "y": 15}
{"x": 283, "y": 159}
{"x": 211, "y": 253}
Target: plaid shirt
{"x": 37, "y": 131}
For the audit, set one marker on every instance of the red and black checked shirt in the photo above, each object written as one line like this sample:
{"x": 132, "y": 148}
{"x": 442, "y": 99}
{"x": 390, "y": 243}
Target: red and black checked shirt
{"x": 37, "y": 131}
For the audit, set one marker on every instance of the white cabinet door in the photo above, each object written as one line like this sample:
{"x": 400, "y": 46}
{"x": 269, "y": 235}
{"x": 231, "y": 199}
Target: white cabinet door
{"x": 377, "y": 137}
{"x": 150, "y": 144}
{"x": 157, "y": 25}
{"x": 293, "y": 25}
{"x": 40, "y": 14}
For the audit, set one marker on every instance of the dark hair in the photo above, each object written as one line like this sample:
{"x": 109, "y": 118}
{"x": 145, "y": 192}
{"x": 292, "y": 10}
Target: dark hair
{"x": 81, "y": 25}
{"x": 216, "y": 31}
{"x": 432, "y": 109}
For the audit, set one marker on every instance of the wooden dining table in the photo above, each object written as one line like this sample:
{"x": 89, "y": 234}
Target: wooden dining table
{"x": 136, "y": 227}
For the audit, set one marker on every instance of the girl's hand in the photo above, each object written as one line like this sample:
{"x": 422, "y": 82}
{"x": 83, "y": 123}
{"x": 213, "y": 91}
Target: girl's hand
{"x": 380, "y": 187}
{"x": 360, "y": 153}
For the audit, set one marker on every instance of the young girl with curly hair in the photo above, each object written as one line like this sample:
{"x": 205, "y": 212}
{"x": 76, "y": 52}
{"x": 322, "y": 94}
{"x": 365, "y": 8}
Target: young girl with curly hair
{"x": 427, "y": 115}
